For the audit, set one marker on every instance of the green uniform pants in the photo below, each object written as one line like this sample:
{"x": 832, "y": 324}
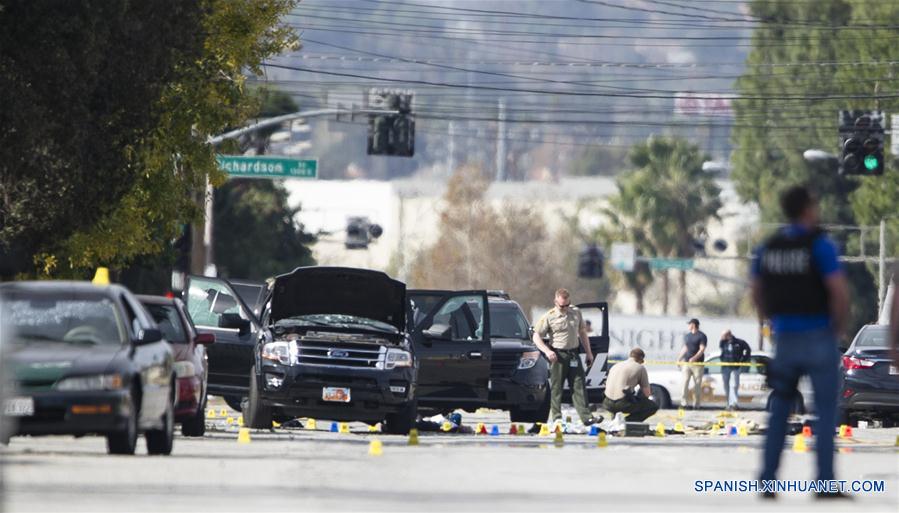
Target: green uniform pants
{"x": 561, "y": 371}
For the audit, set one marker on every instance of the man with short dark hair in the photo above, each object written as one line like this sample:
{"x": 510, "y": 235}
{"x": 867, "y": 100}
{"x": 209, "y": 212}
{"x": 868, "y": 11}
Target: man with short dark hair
{"x": 690, "y": 360}
{"x": 565, "y": 328}
{"x": 621, "y": 383}
{"x": 799, "y": 284}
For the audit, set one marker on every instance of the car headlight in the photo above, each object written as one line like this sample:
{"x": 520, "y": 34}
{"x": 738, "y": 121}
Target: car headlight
{"x": 99, "y": 382}
{"x": 528, "y": 360}
{"x": 184, "y": 369}
{"x": 397, "y": 358}
{"x": 277, "y": 352}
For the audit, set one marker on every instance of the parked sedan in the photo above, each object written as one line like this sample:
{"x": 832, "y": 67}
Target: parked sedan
{"x": 87, "y": 359}
{"x": 870, "y": 379}
{"x": 191, "y": 367}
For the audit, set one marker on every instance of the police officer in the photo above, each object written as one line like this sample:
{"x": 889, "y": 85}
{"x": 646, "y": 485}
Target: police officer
{"x": 733, "y": 351}
{"x": 565, "y": 328}
{"x": 798, "y": 283}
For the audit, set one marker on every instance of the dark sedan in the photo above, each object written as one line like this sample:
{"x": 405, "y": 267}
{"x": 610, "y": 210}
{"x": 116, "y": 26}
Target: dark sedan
{"x": 87, "y": 359}
{"x": 870, "y": 379}
{"x": 191, "y": 367}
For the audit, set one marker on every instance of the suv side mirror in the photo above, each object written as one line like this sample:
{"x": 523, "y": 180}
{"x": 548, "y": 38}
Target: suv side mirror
{"x": 148, "y": 336}
{"x": 204, "y": 339}
{"x": 235, "y": 322}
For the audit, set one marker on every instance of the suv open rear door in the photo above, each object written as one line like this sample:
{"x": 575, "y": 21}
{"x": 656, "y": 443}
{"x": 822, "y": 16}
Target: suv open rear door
{"x": 216, "y": 307}
{"x": 451, "y": 332}
{"x": 598, "y": 315}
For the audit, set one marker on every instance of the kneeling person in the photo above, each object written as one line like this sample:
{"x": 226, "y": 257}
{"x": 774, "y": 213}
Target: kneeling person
{"x": 620, "y": 394}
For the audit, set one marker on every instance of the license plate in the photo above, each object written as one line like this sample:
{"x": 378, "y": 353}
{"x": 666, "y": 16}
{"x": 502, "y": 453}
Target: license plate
{"x": 894, "y": 370}
{"x": 19, "y": 407}
{"x": 336, "y": 394}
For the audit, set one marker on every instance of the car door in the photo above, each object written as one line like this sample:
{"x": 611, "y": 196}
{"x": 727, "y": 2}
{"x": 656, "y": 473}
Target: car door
{"x": 451, "y": 333}
{"x": 154, "y": 360}
{"x": 215, "y": 307}
{"x": 596, "y": 313}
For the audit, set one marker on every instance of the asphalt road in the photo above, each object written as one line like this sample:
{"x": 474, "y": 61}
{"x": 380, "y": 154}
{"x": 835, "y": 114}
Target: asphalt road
{"x": 303, "y": 470}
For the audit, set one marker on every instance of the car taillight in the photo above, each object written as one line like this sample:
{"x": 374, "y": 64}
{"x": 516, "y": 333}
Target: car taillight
{"x": 851, "y": 362}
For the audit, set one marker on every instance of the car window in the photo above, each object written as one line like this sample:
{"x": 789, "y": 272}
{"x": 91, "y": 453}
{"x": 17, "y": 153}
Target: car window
{"x": 74, "y": 321}
{"x": 761, "y": 365}
{"x": 169, "y": 322}
{"x": 712, "y": 364}
{"x": 873, "y": 337}
{"x": 508, "y": 322}
{"x": 461, "y": 318}
{"x": 208, "y": 300}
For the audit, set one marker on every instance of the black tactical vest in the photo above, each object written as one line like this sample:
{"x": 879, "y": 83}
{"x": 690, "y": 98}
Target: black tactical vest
{"x": 790, "y": 277}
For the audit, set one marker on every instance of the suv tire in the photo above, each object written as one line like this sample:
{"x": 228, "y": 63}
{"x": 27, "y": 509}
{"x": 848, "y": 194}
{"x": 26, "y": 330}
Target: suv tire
{"x": 255, "y": 414}
{"x": 401, "y": 422}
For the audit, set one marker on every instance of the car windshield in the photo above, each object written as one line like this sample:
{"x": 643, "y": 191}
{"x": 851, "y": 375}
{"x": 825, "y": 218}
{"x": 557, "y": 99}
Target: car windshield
{"x": 873, "y": 337}
{"x": 506, "y": 322}
{"x": 77, "y": 321}
{"x": 337, "y": 321}
{"x": 166, "y": 316}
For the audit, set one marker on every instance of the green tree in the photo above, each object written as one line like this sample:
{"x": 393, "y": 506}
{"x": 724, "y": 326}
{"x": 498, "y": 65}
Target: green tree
{"x": 115, "y": 135}
{"x": 663, "y": 206}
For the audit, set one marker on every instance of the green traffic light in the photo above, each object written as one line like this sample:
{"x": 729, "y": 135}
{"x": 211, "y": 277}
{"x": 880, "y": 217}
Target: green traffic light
{"x": 871, "y": 162}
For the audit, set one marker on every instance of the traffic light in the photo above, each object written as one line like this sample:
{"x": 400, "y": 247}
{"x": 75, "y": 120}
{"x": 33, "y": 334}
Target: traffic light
{"x": 393, "y": 134}
{"x": 590, "y": 262}
{"x": 861, "y": 142}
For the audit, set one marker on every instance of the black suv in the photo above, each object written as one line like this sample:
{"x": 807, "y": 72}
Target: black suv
{"x": 333, "y": 345}
{"x": 471, "y": 356}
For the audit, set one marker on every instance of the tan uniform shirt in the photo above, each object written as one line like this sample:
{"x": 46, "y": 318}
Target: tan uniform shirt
{"x": 561, "y": 328}
{"x": 625, "y": 376}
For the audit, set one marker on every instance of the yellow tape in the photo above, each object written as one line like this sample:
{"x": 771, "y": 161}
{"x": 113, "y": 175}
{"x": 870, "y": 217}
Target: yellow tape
{"x": 697, "y": 364}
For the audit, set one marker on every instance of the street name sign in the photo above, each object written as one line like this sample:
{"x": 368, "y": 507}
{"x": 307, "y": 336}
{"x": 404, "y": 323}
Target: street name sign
{"x": 262, "y": 166}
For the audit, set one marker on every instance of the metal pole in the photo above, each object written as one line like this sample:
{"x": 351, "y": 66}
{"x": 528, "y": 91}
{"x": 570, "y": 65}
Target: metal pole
{"x": 501, "y": 142}
{"x": 881, "y": 267}
{"x": 451, "y": 158}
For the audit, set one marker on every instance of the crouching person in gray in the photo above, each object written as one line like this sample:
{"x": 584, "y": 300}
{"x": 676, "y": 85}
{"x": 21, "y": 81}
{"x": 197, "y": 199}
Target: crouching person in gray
{"x": 620, "y": 394}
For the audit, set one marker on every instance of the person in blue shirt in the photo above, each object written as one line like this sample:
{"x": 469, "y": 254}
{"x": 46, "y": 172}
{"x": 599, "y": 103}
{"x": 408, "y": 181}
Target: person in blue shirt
{"x": 800, "y": 286}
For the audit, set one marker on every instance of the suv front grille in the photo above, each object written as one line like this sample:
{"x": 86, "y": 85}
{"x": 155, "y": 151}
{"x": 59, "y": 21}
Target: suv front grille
{"x": 503, "y": 363}
{"x": 335, "y": 353}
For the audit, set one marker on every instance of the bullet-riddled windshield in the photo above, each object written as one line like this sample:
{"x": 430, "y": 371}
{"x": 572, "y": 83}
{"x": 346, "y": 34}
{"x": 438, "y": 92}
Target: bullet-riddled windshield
{"x": 46, "y": 318}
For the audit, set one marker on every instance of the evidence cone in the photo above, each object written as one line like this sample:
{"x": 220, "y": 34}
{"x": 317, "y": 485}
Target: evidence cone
{"x": 276, "y": 424}
{"x": 229, "y": 421}
{"x": 375, "y": 448}
{"x": 559, "y": 440}
{"x": 732, "y": 431}
{"x": 714, "y": 430}
{"x": 849, "y": 433}
{"x": 240, "y": 421}
{"x": 101, "y": 277}
{"x": 446, "y": 427}
{"x": 223, "y": 412}
{"x": 333, "y": 427}
{"x": 679, "y": 427}
{"x": 681, "y": 413}
{"x": 413, "y": 437}
{"x": 494, "y": 431}
{"x": 210, "y": 414}
{"x": 481, "y": 429}
{"x": 601, "y": 440}
{"x": 521, "y": 429}
{"x": 843, "y": 430}
{"x": 513, "y": 429}
{"x": 374, "y": 428}
{"x": 799, "y": 444}
{"x": 310, "y": 424}
{"x": 660, "y": 429}
{"x": 344, "y": 428}
{"x": 594, "y": 430}
{"x": 807, "y": 431}
{"x": 243, "y": 436}
{"x": 544, "y": 430}
{"x": 742, "y": 431}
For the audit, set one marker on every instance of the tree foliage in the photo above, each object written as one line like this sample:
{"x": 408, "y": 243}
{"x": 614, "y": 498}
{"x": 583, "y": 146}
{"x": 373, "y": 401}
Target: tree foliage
{"x": 106, "y": 147}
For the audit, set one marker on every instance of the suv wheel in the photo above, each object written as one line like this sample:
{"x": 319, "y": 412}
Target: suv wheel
{"x": 235, "y": 402}
{"x": 255, "y": 414}
{"x": 125, "y": 441}
{"x": 196, "y": 425}
{"x": 401, "y": 422}
{"x": 160, "y": 441}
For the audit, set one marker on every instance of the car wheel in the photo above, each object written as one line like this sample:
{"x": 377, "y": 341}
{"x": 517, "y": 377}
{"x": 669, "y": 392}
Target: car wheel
{"x": 235, "y": 402}
{"x": 537, "y": 415}
{"x": 125, "y": 441}
{"x": 256, "y": 415}
{"x": 160, "y": 441}
{"x": 660, "y": 396}
{"x": 196, "y": 425}
{"x": 401, "y": 422}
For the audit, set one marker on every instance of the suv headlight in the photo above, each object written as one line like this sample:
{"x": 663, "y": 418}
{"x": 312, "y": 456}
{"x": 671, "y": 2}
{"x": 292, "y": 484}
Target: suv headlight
{"x": 277, "y": 352}
{"x": 528, "y": 360}
{"x": 184, "y": 369}
{"x": 397, "y": 358}
{"x": 99, "y": 382}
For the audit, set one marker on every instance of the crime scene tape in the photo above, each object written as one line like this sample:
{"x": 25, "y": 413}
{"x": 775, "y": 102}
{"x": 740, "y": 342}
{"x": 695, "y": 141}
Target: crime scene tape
{"x": 696, "y": 364}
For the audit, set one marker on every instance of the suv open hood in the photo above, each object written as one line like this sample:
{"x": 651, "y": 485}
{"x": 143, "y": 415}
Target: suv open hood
{"x": 340, "y": 290}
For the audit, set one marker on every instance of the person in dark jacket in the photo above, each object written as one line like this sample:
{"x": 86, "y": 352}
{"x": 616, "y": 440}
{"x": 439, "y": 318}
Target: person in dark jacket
{"x": 733, "y": 350}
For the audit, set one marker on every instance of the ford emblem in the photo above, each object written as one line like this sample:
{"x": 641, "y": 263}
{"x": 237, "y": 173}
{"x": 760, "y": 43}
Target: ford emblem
{"x": 338, "y": 353}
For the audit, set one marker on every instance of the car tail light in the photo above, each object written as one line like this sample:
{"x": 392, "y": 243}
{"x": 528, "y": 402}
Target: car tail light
{"x": 848, "y": 393}
{"x": 851, "y": 362}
